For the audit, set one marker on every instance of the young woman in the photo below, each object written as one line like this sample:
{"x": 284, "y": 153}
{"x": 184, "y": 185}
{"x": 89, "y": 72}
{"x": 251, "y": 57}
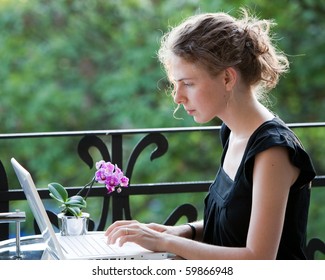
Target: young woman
{"x": 257, "y": 207}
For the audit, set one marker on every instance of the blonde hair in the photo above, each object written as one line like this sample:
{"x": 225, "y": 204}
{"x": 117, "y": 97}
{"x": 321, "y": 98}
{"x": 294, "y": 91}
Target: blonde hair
{"x": 217, "y": 41}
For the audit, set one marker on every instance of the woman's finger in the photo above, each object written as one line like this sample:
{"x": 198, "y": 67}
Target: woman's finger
{"x": 118, "y": 224}
{"x": 123, "y": 232}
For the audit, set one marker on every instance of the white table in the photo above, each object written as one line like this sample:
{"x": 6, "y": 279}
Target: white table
{"x": 31, "y": 248}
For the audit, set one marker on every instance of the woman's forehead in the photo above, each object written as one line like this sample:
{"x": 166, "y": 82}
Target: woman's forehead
{"x": 181, "y": 69}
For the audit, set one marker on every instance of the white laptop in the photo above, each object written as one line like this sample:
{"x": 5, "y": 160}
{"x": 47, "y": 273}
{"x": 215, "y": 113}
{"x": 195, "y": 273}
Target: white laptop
{"x": 90, "y": 246}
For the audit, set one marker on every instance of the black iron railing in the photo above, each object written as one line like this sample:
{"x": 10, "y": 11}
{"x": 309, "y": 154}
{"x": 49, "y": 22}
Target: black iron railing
{"x": 117, "y": 206}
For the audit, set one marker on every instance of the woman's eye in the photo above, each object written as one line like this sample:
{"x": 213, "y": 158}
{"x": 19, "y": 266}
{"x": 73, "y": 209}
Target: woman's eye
{"x": 188, "y": 84}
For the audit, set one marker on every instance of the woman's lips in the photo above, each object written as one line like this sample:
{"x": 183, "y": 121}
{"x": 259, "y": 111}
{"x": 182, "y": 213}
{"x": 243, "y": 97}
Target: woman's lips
{"x": 190, "y": 112}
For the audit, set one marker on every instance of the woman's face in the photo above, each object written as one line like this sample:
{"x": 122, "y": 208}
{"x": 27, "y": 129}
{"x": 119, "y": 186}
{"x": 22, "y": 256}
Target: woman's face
{"x": 202, "y": 96}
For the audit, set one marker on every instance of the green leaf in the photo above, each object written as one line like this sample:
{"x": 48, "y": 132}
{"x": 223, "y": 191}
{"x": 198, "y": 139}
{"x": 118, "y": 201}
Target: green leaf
{"x": 75, "y": 211}
{"x": 58, "y": 192}
{"x": 77, "y": 201}
{"x": 57, "y": 199}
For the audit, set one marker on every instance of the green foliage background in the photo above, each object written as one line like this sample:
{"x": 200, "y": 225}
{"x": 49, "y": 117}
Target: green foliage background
{"x": 68, "y": 65}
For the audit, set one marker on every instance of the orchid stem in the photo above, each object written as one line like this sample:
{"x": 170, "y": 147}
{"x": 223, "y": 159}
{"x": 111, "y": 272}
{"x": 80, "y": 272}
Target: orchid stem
{"x": 90, "y": 185}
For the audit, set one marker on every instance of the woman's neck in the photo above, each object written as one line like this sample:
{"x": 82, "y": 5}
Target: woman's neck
{"x": 244, "y": 115}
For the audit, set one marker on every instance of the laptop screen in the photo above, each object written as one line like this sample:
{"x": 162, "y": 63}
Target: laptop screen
{"x": 37, "y": 208}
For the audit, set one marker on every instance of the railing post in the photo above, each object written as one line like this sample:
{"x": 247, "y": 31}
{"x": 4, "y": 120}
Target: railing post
{"x": 120, "y": 203}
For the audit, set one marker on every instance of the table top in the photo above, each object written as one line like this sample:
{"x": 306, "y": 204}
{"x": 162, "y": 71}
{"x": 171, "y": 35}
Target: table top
{"x": 31, "y": 247}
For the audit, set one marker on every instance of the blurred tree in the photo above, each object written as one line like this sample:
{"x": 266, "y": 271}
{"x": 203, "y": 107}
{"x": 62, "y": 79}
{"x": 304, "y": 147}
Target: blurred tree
{"x": 80, "y": 64}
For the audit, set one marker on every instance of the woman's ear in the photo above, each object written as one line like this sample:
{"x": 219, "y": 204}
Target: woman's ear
{"x": 230, "y": 78}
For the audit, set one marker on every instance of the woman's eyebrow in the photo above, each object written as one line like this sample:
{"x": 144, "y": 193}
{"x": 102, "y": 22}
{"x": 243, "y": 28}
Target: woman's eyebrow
{"x": 183, "y": 79}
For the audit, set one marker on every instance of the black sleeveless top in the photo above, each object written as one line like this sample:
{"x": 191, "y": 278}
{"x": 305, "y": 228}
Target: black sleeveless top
{"x": 228, "y": 203}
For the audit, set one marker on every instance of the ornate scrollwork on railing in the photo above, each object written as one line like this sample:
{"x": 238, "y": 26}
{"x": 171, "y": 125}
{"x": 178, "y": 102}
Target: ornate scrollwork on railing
{"x": 313, "y": 246}
{"x": 92, "y": 141}
{"x": 152, "y": 138}
{"x": 121, "y": 204}
{"x": 187, "y": 210}
{"x": 3, "y": 178}
{"x": 4, "y": 206}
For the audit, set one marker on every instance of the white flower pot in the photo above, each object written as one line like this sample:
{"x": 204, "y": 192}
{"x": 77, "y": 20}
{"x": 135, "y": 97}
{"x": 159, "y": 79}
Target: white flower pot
{"x": 71, "y": 225}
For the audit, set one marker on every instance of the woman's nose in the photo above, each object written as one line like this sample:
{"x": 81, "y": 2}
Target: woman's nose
{"x": 179, "y": 98}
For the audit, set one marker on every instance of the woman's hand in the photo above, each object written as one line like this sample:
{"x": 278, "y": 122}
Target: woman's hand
{"x": 149, "y": 236}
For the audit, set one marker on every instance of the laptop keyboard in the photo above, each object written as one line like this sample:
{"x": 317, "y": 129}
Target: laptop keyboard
{"x": 86, "y": 245}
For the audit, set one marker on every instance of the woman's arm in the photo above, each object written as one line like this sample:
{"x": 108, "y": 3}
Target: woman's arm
{"x": 188, "y": 230}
